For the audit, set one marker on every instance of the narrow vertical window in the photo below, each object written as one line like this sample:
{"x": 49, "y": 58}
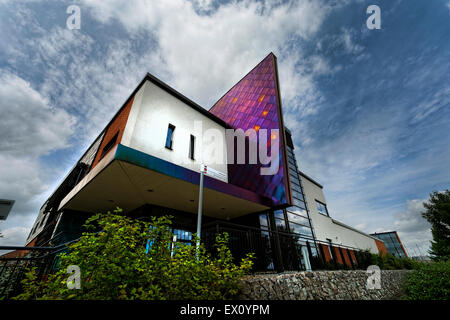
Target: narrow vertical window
{"x": 169, "y": 138}
{"x": 111, "y": 143}
{"x": 192, "y": 148}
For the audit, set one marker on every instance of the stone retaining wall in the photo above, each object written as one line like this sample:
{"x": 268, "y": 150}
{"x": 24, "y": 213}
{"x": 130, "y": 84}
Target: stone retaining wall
{"x": 322, "y": 285}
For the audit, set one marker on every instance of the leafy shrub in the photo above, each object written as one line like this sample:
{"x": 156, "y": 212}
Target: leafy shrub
{"x": 430, "y": 281}
{"x": 364, "y": 258}
{"x": 391, "y": 262}
{"x": 114, "y": 264}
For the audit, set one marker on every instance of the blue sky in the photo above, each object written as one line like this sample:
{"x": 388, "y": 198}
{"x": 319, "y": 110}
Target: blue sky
{"x": 369, "y": 109}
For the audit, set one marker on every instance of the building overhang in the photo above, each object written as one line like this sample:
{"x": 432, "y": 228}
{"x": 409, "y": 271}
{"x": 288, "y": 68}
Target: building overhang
{"x": 128, "y": 178}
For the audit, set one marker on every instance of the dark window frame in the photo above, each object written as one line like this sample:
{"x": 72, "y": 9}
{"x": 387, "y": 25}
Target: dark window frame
{"x": 111, "y": 143}
{"x": 171, "y": 131}
{"x": 192, "y": 147}
{"x": 324, "y": 205}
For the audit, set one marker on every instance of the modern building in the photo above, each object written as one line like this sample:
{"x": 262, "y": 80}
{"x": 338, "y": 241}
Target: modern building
{"x": 147, "y": 161}
{"x": 392, "y": 243}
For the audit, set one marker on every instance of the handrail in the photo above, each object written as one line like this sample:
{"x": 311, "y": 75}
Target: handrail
{"x": 230, "y": 224}
{"x": 53, "y": 250}
{"x": 16, "y": 248}
{"x": 56, "y": 249}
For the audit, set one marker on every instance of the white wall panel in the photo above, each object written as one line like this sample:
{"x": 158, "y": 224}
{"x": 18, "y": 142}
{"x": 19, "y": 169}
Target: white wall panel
{"x": 327, "y": 228}
{"x": 146, "y": 130}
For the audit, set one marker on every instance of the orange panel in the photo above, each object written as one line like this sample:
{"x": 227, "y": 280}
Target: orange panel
{"x": 116, "y": 126}
{"x": 381, "y": 247}
{"x": 338, "y": 255}
{"x": 353, "y": 256}
{"x": 347, "y": 258}
{"x": 326, "y": 252}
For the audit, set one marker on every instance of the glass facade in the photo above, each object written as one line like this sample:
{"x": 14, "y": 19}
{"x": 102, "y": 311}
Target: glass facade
{"x": 253, "y": 104}
{"x": 292, "y": 226}
{"x": 297, "y": 215}
{"x": 392, "y": 243}
{"x": 183, "y": 235}
{"x": 267, "y": 261}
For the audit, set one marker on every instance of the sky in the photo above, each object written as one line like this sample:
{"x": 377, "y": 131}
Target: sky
{"x": 369, "y": 109}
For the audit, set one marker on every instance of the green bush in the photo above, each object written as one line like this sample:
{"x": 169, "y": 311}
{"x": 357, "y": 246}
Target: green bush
{"x": 430, "y": 281}
{"x": 390, "y": 262}
{"x": 114, "y": 264}
{"x": 364, "y": 258}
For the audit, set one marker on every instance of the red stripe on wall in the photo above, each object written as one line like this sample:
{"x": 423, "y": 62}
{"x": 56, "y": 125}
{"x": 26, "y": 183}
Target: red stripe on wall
{"x": 116, "y": 126}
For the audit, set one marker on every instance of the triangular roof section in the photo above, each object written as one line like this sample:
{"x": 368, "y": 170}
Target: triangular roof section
{"x": 254, "y": 103}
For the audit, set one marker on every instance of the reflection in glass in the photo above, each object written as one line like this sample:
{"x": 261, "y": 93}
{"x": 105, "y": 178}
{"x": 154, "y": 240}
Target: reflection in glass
{"x": 298, "y": 219}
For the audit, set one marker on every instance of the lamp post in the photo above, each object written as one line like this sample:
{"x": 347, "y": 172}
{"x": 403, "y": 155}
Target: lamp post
{"x": 215, "y": 174}
{"x": 203, "y": 169}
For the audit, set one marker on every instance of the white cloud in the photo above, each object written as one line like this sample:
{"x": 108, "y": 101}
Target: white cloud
{"x": 91, "y": 82}
{"x": 222, "y": 46}
{"x": 13, "y": 236}
{"x": 187, "y": 48}
{"x": 225, "y": 44}
{"x": 21, "y": 181}
{"x": 431, "y": 104}
{"x": 203, "y": 5}
{"x": 297, "y": 85}
{"x": 29, "y": 126}
{"x": 414, "y": 231}
{"x": 347, "y": 39}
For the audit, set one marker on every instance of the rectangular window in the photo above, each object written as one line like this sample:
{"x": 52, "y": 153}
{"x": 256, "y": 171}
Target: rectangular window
{"x": 281, "y": 225}
{"x": 295, "y": 188}
{"x": 298, "y": 211}
{"x": 298, "y": 219}
{"x": 292, "y": 166}
{"x": 278, "y": 214}
{"x": 297, "y": 195}
{"x": 299, "y": 203}
{"x": 169, "y": 138}
{"x": 263, "y": 221}
{"x": 291, "y": 161}
{"x": 294, "y": 180}
{"x": 322, "y": 208}
{"x": 293, "y": 172}
{"x": 295, "y": 228}
{"x": 192, "y": 147}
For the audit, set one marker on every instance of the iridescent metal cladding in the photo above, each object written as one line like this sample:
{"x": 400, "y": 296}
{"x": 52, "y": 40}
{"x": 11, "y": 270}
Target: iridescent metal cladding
{"x": 253, "y": 104}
